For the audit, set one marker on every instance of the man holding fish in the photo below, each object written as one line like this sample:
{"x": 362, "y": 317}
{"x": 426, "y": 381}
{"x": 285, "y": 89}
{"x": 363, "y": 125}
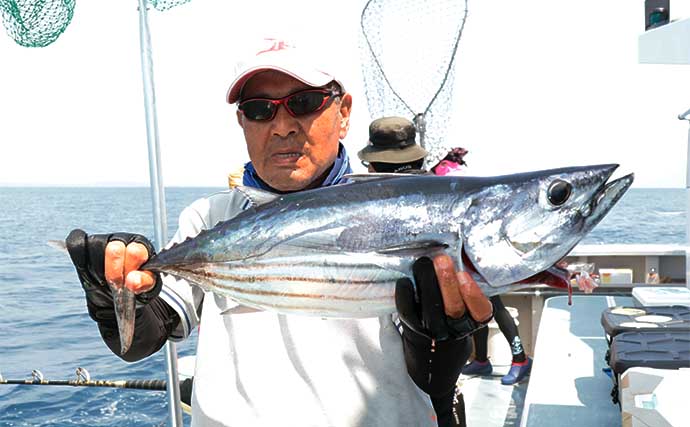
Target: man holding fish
{"x": 265, "y": 368}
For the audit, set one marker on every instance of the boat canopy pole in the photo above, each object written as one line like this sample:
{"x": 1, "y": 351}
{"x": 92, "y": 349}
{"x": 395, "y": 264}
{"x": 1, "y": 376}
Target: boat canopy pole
{"x": 157, "y": 196}
{"x": 686, "y": 116}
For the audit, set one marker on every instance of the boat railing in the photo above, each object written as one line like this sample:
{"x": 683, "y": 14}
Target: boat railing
{"x": 636, "y": 249}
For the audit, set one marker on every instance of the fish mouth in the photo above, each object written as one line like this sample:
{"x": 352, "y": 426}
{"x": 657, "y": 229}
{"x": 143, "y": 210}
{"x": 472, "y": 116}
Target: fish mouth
{"x": 608, "y": 195}
{"x": 554, "y": 276}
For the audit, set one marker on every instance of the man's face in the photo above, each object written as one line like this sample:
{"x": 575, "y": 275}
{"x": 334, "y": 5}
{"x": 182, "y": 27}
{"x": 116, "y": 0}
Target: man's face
{"x": 292, "y": 153}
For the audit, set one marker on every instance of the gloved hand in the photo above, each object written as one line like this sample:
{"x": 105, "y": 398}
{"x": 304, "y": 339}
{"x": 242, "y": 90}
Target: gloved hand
{"x": 96, "y": 265}
{"x": 437, "y": 318}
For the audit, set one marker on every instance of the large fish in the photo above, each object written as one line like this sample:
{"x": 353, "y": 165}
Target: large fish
{"x": 338, "y": 251}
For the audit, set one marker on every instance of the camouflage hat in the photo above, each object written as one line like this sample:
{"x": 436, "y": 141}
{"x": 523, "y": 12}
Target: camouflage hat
{"x": 392, "y": 140}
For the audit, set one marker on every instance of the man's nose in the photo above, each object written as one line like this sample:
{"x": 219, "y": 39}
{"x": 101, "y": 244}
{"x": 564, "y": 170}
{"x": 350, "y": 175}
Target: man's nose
{"x": 283, "y": 123}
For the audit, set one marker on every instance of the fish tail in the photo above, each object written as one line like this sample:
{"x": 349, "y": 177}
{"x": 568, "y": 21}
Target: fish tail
{"x": 125, "y": 306}
{"x": 60, "y": 245}
{"x": 124, "y": 301}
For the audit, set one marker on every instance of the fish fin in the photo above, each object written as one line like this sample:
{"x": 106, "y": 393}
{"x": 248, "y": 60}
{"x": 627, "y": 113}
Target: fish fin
{"x": 415, "y": 249}
{"x": 125, "y": 305}
{"x": 363, "y": 177}
{"x": 239, "y": 309}
{"x": 124, "y": 301}
{"x": 256, "y": 196}
{"x": 60, "y": 245}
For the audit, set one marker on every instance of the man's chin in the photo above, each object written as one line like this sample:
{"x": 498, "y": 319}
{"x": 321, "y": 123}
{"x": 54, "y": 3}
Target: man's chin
{"x": 291, "y": 181}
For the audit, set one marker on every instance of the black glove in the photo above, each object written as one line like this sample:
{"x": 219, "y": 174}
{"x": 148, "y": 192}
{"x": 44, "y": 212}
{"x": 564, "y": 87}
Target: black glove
{"x": 88, "y": 256}
{"x": 435, "y": 346}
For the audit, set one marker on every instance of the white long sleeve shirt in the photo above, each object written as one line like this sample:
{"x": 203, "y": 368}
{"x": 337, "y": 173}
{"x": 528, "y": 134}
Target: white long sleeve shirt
{"x": 266, "y": 369}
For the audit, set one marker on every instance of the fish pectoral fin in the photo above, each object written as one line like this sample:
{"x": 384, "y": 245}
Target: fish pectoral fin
{"x": 256, "y": 196}
{"x": 239, "y": 309}
{"x": 414, "y": 249}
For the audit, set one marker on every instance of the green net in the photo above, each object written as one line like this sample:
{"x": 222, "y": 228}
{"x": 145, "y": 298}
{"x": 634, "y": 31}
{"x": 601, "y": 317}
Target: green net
{"x": 38, "y": 23}
{"x": 166, "y": 4}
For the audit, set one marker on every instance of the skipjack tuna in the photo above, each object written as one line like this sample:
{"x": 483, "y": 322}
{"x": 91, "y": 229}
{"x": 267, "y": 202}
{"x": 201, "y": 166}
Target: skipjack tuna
{"x": 338, "y": 251}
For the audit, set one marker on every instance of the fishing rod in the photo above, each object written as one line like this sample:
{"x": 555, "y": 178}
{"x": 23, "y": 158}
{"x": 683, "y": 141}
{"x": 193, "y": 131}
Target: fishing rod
{"x": 84, "y": 380}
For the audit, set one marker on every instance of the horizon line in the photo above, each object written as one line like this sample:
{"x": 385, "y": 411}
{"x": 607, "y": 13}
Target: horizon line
{"x": 102, "y": 185}
{"x": 140, "y": 185}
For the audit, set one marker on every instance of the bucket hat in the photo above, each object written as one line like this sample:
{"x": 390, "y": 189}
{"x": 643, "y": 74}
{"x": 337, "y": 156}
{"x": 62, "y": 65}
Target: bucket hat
{"x": 392, "y": 140}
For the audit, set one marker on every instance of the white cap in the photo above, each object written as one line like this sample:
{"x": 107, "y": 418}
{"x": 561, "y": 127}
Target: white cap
{"x": 280, "y": 55}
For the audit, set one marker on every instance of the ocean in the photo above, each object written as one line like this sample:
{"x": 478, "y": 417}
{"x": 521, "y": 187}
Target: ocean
{"x": 43, "y": 320}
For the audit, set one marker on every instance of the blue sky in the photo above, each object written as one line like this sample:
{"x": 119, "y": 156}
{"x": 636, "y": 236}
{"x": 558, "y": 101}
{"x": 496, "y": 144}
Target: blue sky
{"x": 539, "y": 84}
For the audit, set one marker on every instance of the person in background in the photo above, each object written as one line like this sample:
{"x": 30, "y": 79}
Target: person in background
{"x": 392, "y": 147}
{"x": 452, "y": 163}
{"x": 235, "y": 177}
{"x": 481, "y": 365}
{"x": 262, "y": 368}
{"x": 521, "y": 364}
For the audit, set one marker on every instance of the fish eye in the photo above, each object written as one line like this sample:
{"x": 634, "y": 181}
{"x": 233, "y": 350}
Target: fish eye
{"x": 559, "y": 192}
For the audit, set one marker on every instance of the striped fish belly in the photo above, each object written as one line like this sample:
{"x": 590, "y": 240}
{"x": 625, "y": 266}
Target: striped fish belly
{"x": 327, "y": 285}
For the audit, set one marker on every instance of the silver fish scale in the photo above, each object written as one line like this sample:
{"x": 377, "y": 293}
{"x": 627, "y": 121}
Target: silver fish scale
{"x": 355, "y": 221}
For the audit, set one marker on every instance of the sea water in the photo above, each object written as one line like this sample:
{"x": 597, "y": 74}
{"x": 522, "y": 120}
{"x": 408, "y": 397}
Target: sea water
{"x": 43, "y": 320}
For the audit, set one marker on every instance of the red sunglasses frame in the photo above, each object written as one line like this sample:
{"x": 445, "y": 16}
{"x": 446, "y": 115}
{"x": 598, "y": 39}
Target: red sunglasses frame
{"x": 330, "y": 94}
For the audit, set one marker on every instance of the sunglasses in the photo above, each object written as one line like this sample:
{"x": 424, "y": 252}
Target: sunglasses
{"x": 297, "y": 104}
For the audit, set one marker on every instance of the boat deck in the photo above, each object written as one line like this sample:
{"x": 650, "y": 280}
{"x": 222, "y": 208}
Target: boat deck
{"x": 488, "y": 403}
{"x": 567, "y": 386}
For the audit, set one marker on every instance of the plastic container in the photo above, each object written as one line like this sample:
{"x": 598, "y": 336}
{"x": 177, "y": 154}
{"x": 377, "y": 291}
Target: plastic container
{"x": 655, "y": 397}
{"x": 617, "y": 320}
{"x": 653, "y": 296}
{"x": 659, "y": 350}
{"x": 616, "y": 276}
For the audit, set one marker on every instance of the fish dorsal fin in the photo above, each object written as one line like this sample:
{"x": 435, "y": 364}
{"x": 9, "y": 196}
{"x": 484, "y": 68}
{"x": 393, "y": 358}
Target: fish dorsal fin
{"x": 256, "y": 196}
{"x": 415, "y": 249}
{"x": 364, "y": 177}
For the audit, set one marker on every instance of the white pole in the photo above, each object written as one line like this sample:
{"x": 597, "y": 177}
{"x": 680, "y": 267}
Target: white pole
{"x": 157, "y": 196}
{"x": 685, "y": 116}
{"x": 687, "y": 215}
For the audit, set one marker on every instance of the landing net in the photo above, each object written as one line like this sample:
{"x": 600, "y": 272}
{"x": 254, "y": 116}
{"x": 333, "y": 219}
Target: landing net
{"x": 38, "y": 23}
{"x": 408, "y": 51}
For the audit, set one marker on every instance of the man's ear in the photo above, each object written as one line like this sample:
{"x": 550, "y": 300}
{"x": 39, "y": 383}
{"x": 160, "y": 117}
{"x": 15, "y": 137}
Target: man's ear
{"x": 345, "y": 110}
{"x": 240, "y": 118}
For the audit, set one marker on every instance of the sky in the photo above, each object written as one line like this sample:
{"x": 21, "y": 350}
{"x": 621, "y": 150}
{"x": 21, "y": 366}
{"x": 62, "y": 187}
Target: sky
{"x": 539, "y": 84}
